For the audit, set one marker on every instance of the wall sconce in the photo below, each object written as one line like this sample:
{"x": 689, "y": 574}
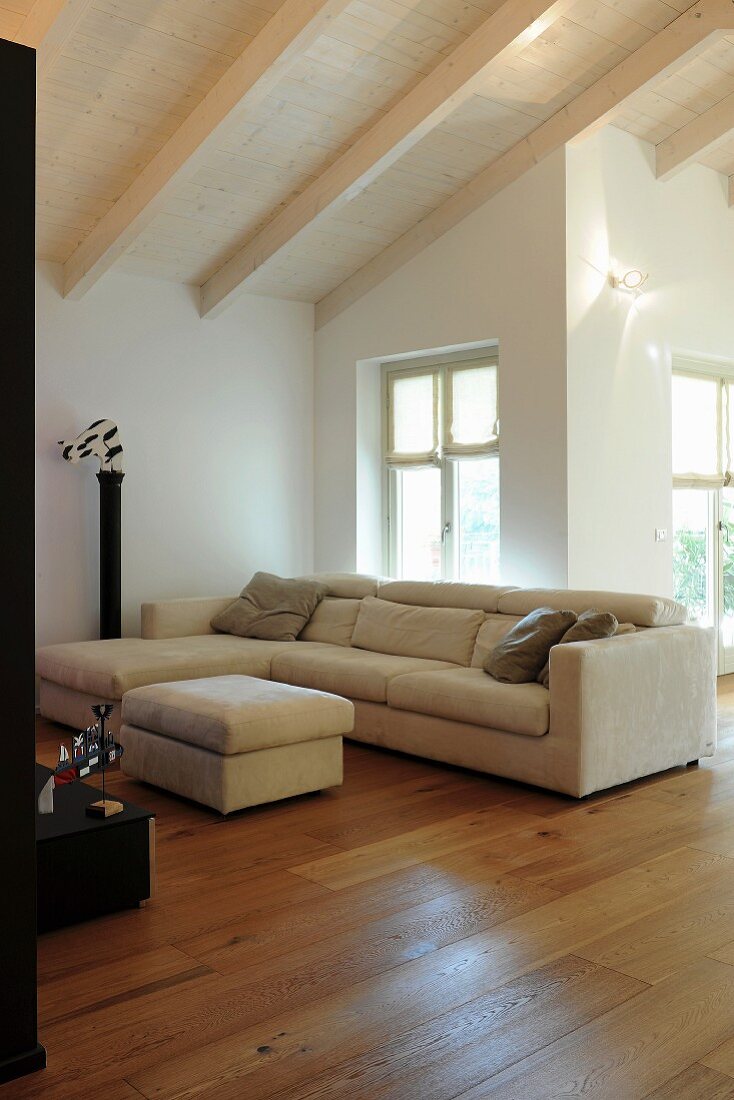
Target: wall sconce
{"x": 633, "y": 280}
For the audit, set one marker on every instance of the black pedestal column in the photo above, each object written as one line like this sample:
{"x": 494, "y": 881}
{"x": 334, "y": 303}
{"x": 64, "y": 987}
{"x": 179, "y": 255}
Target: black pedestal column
{"x": 110, "y": 553}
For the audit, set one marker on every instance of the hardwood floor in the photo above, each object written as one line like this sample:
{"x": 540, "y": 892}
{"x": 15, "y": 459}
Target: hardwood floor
{"x": 422, "y": 933}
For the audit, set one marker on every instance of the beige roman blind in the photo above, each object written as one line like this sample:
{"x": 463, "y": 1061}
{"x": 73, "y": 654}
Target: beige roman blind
{"x": 703, "y": 431}
{"x": 412, "y": 420}
{"x": 471, "y": 424}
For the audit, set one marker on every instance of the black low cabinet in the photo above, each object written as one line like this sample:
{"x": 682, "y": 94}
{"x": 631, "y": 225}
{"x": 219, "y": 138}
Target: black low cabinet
{"x": 90, "y": 866}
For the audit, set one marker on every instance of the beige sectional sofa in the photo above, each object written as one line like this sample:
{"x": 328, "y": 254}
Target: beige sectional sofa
{"x": 409, "y": 655}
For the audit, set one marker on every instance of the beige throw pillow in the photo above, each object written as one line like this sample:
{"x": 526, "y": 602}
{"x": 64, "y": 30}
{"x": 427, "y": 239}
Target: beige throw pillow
{"x": 270, "y": 607}
{"x": 523, "y": 651}
{"x": 589, "y": 626}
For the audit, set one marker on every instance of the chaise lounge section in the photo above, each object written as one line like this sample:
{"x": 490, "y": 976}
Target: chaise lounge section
{"x": 409, "y": 656}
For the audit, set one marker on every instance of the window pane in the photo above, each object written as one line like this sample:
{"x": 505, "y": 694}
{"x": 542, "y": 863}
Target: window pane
{"x": 419, "y": 537}
{"x": 695, "y": 418}
{"x": 692, "y": 556}
{"x": 413, "y": 414}
{"x": 474, "y": 404}
{"x": 727, "y": 428}
{"x": 727, "y": 565}
{"x": 479, "y": 520}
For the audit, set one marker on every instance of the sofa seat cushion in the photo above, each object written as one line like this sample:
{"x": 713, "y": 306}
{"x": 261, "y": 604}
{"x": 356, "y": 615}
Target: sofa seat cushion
{"x": 470, "y": 695}
{"x": 351, "y": 672}
{"x": 234, "y": 714}
{"x": 110, "y": 668}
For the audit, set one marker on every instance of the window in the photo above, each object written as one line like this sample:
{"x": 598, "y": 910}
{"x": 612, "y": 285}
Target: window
{"x": 442, "y": 468}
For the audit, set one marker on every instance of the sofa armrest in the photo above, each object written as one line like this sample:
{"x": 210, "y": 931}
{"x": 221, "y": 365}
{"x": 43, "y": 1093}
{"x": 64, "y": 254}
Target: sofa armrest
{"x": 181, "y": 618}
{"x": 633, "y": 705}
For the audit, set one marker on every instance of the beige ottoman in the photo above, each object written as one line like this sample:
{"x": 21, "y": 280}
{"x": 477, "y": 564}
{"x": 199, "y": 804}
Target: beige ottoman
{"x": 234, "y": 741}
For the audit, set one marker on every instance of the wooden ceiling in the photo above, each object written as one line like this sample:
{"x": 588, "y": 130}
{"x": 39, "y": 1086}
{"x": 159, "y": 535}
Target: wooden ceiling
{"x": 306, "y": 149}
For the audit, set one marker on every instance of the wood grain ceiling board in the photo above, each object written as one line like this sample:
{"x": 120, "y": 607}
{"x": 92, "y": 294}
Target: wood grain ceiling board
{"x": 513, "y": 99}
{"x": 135, "y": 69}
{"x": 128, "y": 77}
{"x": 693, "y": 89}
{"x": 373, "y": 55}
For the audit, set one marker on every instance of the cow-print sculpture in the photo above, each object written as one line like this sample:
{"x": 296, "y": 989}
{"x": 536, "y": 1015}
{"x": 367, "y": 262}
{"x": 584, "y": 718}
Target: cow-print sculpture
{"x": 101, "y": 439}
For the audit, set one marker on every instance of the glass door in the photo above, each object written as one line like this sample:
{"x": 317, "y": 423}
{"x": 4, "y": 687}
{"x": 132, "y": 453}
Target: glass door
{"x": 703, "y": 562}
{"x": 725, "y": 529}
{"x": 703, "y": 503}
{"x": 694, "y": 571}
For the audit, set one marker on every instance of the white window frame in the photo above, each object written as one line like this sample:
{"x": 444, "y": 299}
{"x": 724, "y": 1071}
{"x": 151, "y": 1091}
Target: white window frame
{"x": 449, "y": 467}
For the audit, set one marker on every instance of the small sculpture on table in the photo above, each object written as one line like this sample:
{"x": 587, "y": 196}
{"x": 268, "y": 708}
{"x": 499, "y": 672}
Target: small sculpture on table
{"x": 94, "y": 749}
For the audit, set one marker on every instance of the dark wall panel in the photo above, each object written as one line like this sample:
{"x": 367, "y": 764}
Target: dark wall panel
{"x": 19, "y": 1051}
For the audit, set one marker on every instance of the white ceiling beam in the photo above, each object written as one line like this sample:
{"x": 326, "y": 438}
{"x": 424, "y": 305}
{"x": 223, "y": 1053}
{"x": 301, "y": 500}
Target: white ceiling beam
{"x": 694, "y": 139}
{"x": 264, "y": 61}
{"x": 512, "y": 27}
{"x": 47, "y": 28}
{"x": 594, "y": 107}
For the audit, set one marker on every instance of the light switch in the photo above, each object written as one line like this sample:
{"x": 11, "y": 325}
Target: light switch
{"x": 661, "y": 534}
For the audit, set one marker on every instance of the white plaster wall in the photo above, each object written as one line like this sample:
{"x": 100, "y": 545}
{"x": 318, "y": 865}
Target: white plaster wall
{"x": 619, "y": 348}
{"x": 500, "y": 274}
{"x": 216, "y": 421}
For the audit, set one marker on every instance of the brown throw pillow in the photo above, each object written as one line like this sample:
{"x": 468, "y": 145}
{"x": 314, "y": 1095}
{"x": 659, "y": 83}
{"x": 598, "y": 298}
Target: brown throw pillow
{"x": 523, "y": 651}
{"x": 589, "y": 626}
{"x": 271, "y": 607}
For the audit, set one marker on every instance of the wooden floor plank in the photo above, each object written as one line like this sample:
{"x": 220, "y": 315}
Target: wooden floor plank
{"x": 695, "y": 924}
{"x": 598, "y": 841}
{"x": 721, "y": 1059}
{"x": 94, "y": 979}
{"x": 416, "y": 812}
{"x": 697, "y": 1082}
{"x": 461, "y": 1048}
{"x": 259, "y": 936}
{"x": 227, "y": 1006}
{"x": 376, "y": 946}
{"x": 416, "y": 846}
{"x": 436, "y": 939}
{"x": 137, "y": 930}
{"x": 282, "y": 1050}
{"x": 631, "y": 1050}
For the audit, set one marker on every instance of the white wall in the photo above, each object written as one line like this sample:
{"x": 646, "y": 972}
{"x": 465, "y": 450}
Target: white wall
{"x": 500, "y": 274}
{"x": 216, "y": 421}
{"x": 619, "y": 348}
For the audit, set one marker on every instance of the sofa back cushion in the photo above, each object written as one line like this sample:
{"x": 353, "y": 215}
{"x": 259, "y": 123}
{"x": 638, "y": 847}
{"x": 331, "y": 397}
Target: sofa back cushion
{"x": 476, "y": 597}
{"x": 349, "y": 586}
{"x": 332, "y": 621}
{"x": 436, "y": 633}
{"x": 492, "y": 631}
{"x": 626, "y": 607}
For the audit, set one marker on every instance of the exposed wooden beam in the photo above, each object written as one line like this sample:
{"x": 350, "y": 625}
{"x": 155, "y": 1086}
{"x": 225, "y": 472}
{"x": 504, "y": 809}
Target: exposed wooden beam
{"x": 594, "y": 107}
{"x": 291, "y": 30}
{"x": 694, "y": 139}
{"x": 512, "y": 27}
{"x": 47, "y": 28}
